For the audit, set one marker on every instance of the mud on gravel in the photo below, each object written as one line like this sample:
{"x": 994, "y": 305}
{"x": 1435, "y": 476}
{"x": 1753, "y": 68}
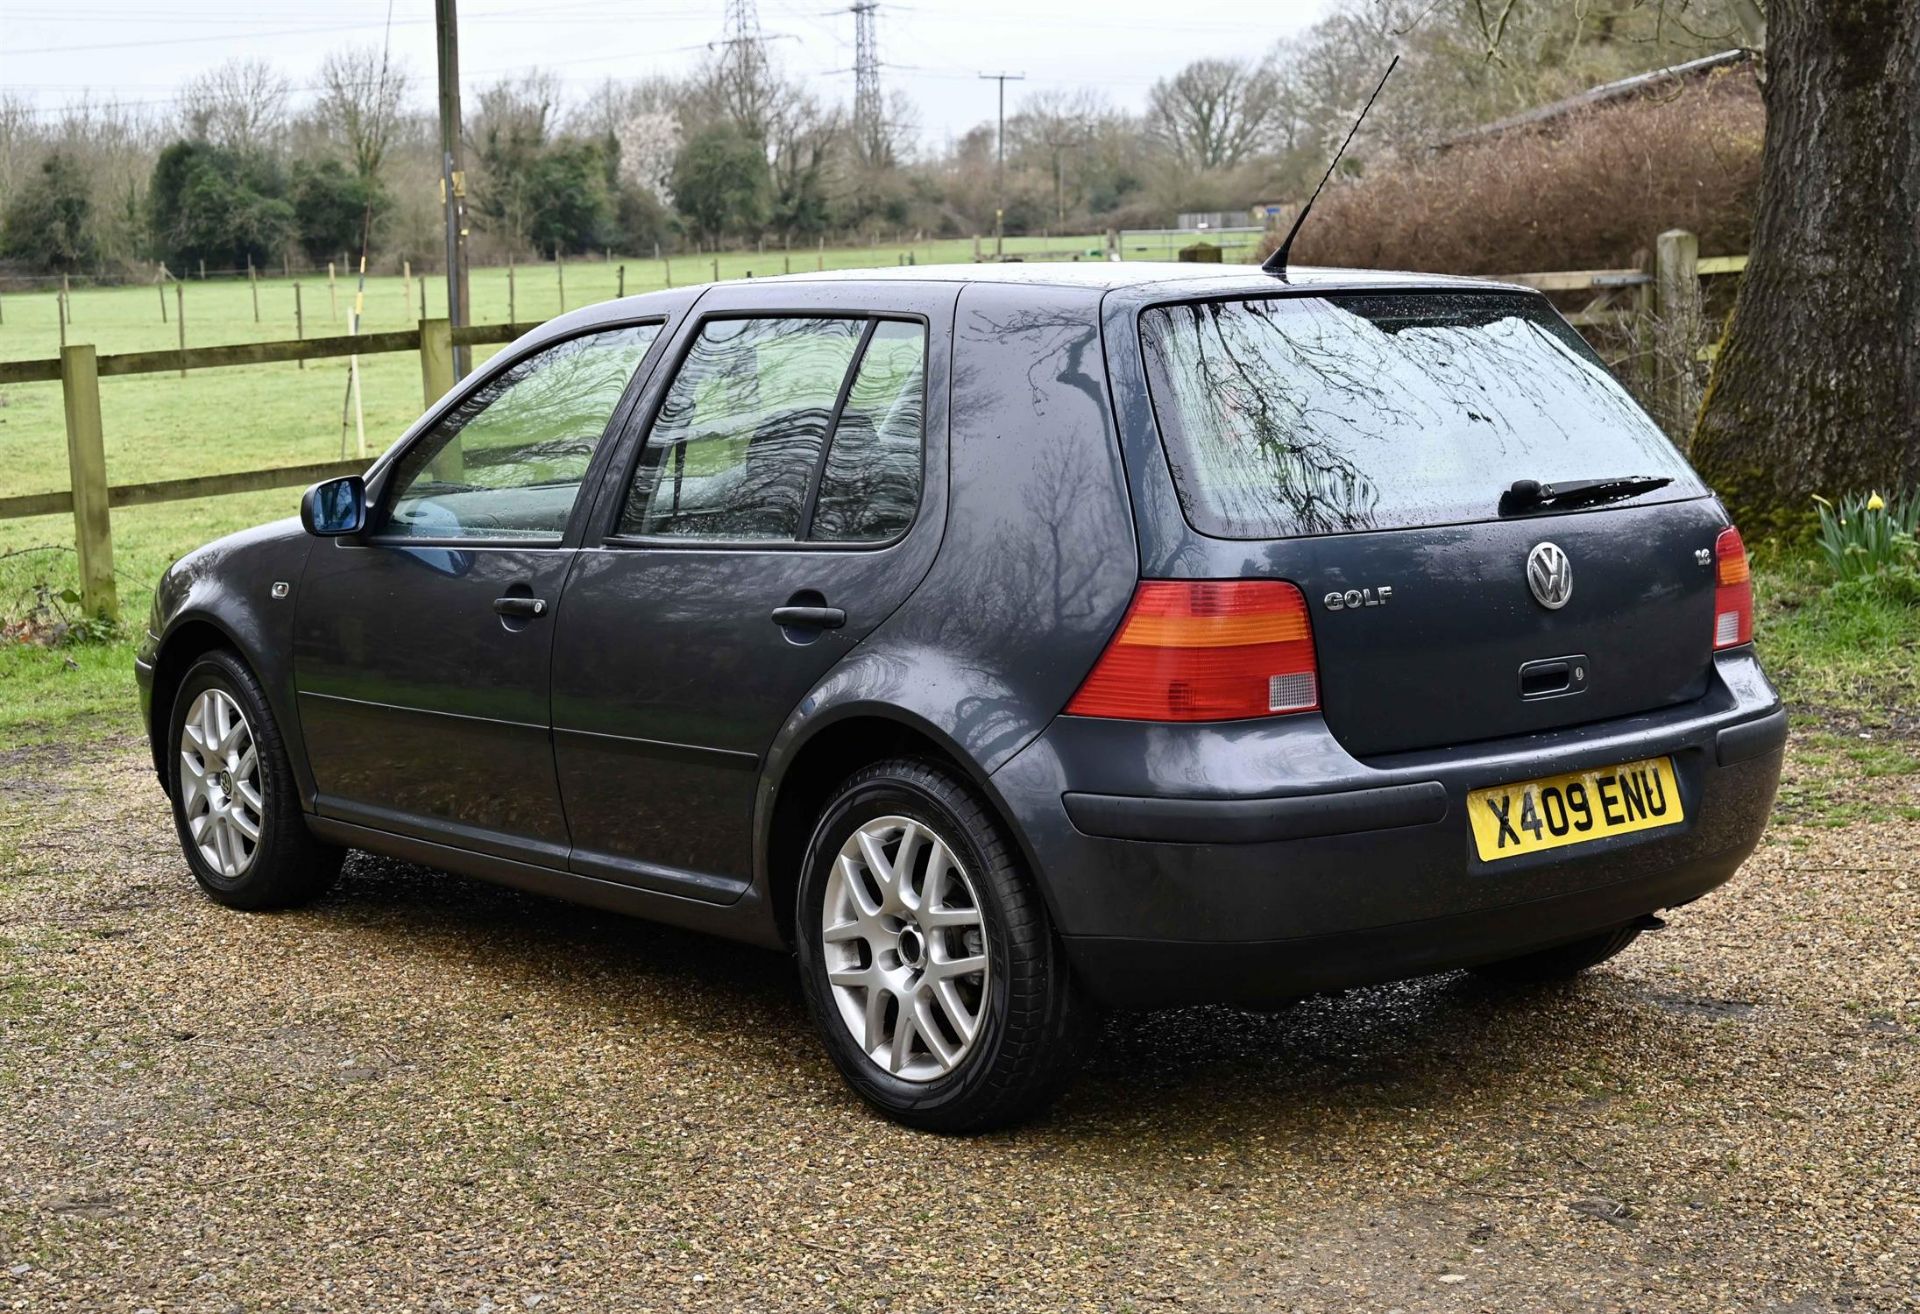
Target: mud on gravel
{"x": 429, "y": 1094}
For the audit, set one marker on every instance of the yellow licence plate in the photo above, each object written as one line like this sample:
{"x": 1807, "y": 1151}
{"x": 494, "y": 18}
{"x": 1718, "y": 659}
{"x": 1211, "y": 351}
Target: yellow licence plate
{"x": 1533, "y": 815}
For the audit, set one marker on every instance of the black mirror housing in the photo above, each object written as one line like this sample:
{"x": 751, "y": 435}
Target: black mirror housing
{"x": 335, "y": 508}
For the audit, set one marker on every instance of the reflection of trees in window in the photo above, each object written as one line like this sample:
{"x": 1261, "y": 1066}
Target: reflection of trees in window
{"x": 533, "y": 426}
{"x": 546, "y": 414}
{"x": 1350, "y": 412}
{"x": 870, "y": 486}
{"x": 733, "y": 449}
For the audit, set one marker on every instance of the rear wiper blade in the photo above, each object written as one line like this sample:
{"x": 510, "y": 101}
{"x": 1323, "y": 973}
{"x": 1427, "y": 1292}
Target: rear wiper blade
{"x": 1531, "y": 495}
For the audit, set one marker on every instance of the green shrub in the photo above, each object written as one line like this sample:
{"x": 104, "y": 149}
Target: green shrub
{"x": 1870, "y": 535}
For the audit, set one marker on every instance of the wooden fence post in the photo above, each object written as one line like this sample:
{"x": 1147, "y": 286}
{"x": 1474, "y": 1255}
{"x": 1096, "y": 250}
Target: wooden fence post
{"x": 160, "y": 286}
{"x": 560, "y": 275}
{"x": 436, "y": 381}
{"x": 436, "y": 359}
{"x": 1644, "y": 374}
{"x": 299, "y": 320}
{"x": 333, "y": 298}
{"x": 180, "y": 321}
{"x": 1677, "y": 315}
{"x": 87, "y": 474}
{"x": 253, "y": 282}
{"x": 621, "y": 288}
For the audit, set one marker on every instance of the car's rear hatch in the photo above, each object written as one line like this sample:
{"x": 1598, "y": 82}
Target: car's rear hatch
{"x": 1360, "y": 446}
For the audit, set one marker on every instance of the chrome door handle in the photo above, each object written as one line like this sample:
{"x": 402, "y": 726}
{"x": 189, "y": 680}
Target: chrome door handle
{"x": 520, "y": 606}
{"x": 819, "y": 618}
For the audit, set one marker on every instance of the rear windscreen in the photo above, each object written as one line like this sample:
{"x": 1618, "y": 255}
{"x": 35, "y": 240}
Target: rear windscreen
{"x": 1313, "y": 415}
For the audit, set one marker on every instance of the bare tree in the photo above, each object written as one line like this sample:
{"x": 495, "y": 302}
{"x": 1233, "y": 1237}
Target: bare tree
{"x": 1051, "y": 124}
{"x": 361, "y": 97}
{"x": 507, "y": 128}
{"x": 1215, "y": 113}
{"x": 241, "y": 105}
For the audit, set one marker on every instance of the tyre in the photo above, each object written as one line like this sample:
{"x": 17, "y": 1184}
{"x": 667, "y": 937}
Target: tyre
{"x": 1561, "y": 961}
{"x": 235, "y": 804}
{"x": 927, "y": 957}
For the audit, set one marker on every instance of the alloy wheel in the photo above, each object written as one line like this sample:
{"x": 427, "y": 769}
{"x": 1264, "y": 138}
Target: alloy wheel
{"x": 220, "y": 783}
{"x": 905, "y": 948}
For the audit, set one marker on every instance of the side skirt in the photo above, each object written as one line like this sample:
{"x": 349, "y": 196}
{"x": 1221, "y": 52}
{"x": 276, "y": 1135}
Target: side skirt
{"x": 747, "y": 919}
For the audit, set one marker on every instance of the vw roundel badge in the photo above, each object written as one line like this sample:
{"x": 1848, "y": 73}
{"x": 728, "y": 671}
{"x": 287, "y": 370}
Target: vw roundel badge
{"x": 1550, "y": 576}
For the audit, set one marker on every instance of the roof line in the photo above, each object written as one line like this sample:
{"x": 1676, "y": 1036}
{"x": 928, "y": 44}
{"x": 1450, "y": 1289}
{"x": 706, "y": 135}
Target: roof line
{"x": 1596, "y": 96}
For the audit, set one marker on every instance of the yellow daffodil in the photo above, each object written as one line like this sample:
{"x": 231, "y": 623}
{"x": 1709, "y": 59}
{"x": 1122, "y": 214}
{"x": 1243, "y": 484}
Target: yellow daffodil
{"x": 1875, "y": 504}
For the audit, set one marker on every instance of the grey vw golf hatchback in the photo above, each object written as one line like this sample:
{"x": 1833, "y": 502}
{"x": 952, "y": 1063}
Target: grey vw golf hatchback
{"x": 1008, "y": 643}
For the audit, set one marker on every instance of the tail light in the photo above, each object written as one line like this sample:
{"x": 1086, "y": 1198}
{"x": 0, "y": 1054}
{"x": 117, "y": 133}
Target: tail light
{"x": 1732, "y": 591}
{"x": 1205, "y": 650}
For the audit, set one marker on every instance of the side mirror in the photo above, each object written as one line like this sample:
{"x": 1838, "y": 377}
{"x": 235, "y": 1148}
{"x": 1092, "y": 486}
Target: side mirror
{"x": 335, "y": 508}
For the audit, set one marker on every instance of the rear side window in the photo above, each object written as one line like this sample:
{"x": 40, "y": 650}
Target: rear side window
{"x": 871, "y": 484}
{"x": 1313, "y": 415}
{"x": 768, "y": 418}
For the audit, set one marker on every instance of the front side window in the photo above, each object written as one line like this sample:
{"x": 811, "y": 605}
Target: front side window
{"x": 507, "y": 461}
{"x": 1324, "y": 414}
{"x": 764, "y": 411}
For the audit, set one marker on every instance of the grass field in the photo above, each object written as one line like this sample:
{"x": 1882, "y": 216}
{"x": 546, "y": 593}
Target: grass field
{"x": 161, "y": 426}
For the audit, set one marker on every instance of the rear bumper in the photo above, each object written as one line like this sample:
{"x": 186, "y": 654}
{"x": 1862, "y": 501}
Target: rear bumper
{"x": 1254, "y": 861}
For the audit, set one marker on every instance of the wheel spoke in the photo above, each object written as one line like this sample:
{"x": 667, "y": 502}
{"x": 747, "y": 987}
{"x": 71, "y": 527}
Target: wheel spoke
{"x": 903, "y": 1029}
{"x": 937, "y": 918}
{"x": 841, "y": 932}
{"x": 250, "y": 796}
{"x": 964, "y": 1020}
{"x": 879, "y": 868}
{"x": 953, "y": 968}
{"x": 903, "y": 866}
{"x": 876, "y": 1021}
{"x": 931, "y": 1035}
{"x": 241, "y": 823}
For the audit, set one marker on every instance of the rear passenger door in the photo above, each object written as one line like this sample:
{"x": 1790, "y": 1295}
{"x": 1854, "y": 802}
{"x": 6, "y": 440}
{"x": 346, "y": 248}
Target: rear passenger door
{"x": 784, "y": 490}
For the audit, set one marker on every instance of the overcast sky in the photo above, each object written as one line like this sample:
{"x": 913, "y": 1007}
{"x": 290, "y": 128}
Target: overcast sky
{"x": 142, "y": 50}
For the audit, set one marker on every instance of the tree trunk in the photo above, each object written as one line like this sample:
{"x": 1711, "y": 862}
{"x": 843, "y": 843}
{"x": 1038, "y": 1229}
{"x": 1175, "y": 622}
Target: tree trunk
{"x": 1817, "y": 385}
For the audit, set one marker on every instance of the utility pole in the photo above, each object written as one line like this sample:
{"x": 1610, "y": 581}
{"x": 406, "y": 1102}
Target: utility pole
{"x": 867, "y": 113}
{"x": 1000, "y": 165}
{"x": 453, "y": 176}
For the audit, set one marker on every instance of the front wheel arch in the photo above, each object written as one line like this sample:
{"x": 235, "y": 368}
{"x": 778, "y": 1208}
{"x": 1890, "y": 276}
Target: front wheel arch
{"x": 184, "y": 645}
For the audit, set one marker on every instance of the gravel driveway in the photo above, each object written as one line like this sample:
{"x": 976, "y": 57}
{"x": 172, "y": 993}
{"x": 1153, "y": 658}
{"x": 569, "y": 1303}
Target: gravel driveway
{"x": 424, "y": 1093}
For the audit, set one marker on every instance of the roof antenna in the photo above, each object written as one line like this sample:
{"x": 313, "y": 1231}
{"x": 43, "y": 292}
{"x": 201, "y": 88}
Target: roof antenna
{"x": 1276, "y": 264}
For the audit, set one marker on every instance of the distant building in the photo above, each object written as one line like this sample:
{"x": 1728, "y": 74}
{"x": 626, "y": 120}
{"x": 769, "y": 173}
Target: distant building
{"x": 1215, "y": 219}
{"x": 1272, "y": 214}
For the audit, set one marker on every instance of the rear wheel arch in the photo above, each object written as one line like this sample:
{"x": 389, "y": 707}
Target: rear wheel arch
{"x": 814, "y": 773}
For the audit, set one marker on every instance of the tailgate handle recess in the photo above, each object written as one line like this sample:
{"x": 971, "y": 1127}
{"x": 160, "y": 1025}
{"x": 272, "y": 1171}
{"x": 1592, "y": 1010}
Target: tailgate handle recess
{"x": 1554, "y": 677}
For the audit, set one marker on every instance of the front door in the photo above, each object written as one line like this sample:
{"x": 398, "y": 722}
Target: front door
{"x": 422, "y": 651}
{"x": 785, "y": 499}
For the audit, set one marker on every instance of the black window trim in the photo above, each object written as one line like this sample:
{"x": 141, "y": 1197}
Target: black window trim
{"x": 610, "y": 536}
{"x": 498, "y": 365}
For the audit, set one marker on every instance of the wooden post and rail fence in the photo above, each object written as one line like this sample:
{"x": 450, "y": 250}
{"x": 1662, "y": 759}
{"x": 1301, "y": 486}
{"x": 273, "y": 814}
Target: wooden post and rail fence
{"x": 90, "y": 497}
{"x": 1662, "y": 314}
